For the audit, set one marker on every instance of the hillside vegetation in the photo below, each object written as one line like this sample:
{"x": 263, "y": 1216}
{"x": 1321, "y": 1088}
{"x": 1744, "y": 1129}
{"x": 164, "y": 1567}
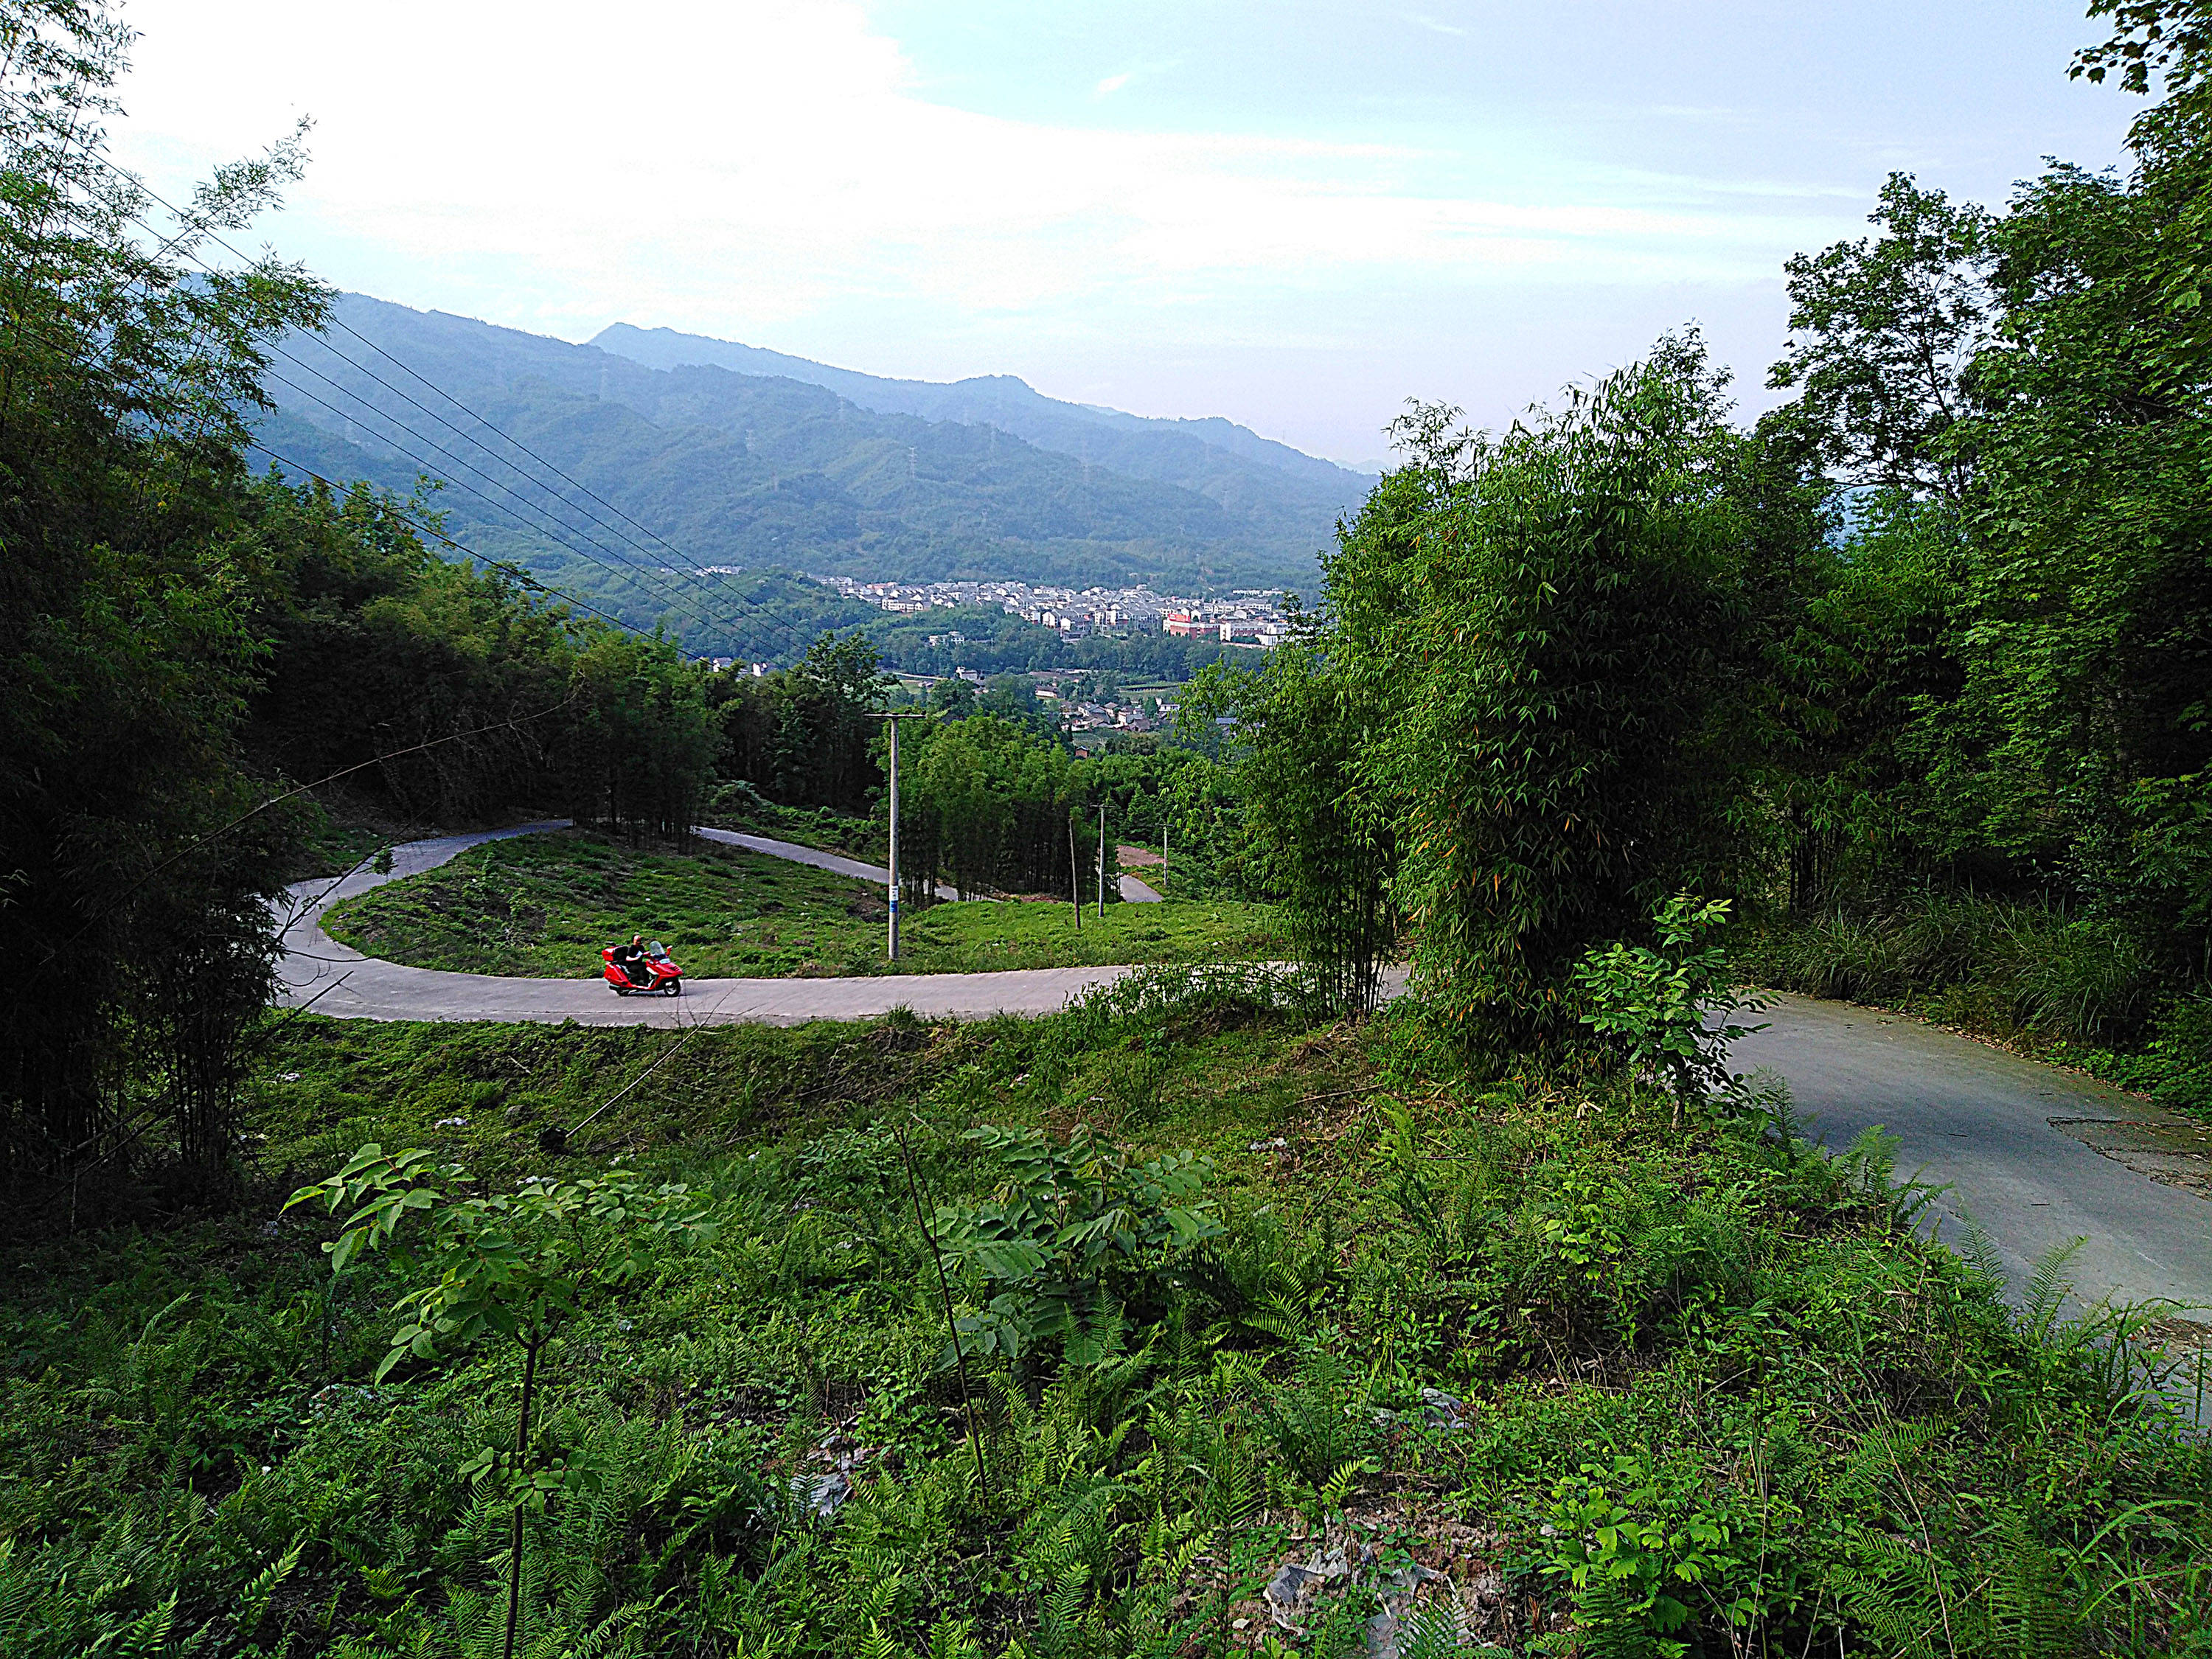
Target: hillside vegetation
{"x": 1507, "y": 1358}
{"x": 544, "y": 906}
{"x": 1227, "y": 1311}
{"x": 1199, "y": 454}
{"x": 734, "y": 469}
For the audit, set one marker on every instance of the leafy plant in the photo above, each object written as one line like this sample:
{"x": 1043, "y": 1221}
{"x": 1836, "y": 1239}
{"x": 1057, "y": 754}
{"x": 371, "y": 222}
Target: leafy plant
{"x": 1630, "y": 1566}
{"x": 1649, "y": 1006}
{"x": 518, "y": 1265}
{"x": 1073, "y": 1229}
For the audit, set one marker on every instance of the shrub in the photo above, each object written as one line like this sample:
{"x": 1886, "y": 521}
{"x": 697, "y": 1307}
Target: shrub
{"x": 1549, "y": 637}
{"x": 1987, "y": 962}
{"x": 1649, "y": 1006}
{"x": 1074, "y": 1228}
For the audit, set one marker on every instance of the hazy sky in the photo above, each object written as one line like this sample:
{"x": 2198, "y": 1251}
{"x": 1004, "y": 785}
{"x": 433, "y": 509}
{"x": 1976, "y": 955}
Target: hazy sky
{"x": 1296, "y": 214}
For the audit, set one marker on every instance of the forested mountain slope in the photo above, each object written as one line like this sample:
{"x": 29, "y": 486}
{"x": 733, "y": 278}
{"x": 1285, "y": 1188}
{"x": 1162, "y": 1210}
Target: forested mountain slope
{"x": 719, "y": 468}
{"x": 1213, "y": 456}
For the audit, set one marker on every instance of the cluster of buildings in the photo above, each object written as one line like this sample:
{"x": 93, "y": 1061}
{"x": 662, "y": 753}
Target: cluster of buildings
{"x": 1253, "y": 616}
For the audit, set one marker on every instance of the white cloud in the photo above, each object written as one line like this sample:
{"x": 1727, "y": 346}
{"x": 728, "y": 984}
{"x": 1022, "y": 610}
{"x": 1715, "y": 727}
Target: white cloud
{"x": 775, "y": 156}
{"x": 778, "y": 171}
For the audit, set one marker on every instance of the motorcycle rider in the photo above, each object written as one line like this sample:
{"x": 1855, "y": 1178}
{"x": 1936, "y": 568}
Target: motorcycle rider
{"x": 630, "y": 958}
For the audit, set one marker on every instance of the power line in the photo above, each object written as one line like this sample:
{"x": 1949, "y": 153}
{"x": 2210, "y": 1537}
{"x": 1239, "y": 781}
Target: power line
{"x": 625, "y": 568}
{"x": 759, "y": 613}
{"x": 667, "y": 598}
{"x": 513, "y": 571}
{"x": 342, "y": 323}
{"x": 586, "y": 519}
{"x": 551, "y": 525}
{"x": 708, "y": 595}
{"x": 422, "y": 437}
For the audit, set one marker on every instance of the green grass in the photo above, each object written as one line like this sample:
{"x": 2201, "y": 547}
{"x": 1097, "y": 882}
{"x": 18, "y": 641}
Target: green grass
{"x": 543, "y": 906}
{"x": 821, "y": 827}
{"x": 1709, "y": 1364}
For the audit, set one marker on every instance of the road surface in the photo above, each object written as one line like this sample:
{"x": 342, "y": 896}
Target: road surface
{"x": 2038, "y": 1157}
{"x": 316, "y": 970}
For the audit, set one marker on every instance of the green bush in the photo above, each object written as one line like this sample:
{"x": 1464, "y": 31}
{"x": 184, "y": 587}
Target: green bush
{"x": 1072, "y": 1232}
{"x": 1988, "y": 962}
{"x": 1726, "y": 1372}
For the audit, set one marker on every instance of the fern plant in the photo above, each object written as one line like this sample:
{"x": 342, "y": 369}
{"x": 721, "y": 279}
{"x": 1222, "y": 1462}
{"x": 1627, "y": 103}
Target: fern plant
{"x": 518, "y": 1265}
{"x": 1073, "y": 1229}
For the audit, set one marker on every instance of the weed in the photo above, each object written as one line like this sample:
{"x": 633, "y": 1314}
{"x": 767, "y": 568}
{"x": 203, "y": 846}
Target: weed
{"x": 1756, "y": 1410}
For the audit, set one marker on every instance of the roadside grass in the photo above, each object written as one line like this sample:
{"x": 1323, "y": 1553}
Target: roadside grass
{"x": 544, "y": 906}
{"x": 822, "y": 828}
{"x": 1502, "y": 1350}
{"x": 335, "y": 845}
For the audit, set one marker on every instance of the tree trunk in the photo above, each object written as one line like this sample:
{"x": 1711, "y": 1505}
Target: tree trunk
{"x": 521, "y": 1450}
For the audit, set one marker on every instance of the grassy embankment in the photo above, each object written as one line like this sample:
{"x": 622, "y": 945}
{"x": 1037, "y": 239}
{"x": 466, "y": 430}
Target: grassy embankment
{"x": 2072, "y": 990}
{"x": 544, "y": 906}
{"x": 1703, "y": 1387}
{"x": 819, "y": 827}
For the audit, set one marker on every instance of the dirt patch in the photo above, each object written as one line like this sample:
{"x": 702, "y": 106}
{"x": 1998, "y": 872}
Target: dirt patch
{"x": 1396, "y": 1575}
{"x": 2174, "y": 1150}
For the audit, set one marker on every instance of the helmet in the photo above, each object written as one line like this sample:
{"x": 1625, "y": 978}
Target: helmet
{"x": 637, "y": 939}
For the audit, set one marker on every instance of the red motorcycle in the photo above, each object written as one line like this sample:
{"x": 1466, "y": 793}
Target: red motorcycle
{"x": 660, "y": 974}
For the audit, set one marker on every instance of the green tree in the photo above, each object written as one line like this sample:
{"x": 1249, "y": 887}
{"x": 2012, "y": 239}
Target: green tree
{"x": 1552, "y": 620}
{"x": 2013, "y": 645}
{"x": 986, "y": 805}
{"x": 2082, "y": 735}
{"x": 379, "y": 648}
{"x": 1322, "y": 836}
{"x": 127, "y": 651}
{"x": 639, "y": 746}
{"x": 1882, "y": 334}
{"x": 517, "y": 1264}
{"x": 953, "y": 698}
{"x": 824, "y": 753}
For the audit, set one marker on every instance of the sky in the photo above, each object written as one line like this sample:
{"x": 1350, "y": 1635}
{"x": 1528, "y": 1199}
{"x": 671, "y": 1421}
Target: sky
{"x": 1295, "y": 213}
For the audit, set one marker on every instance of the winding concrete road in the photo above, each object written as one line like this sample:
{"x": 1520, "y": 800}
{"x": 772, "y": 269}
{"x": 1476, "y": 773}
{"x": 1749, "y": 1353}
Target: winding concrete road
{"x": 1132, "y": 890}
{"x": 2038, "y": 1157}
{"x": 335, "y": 979}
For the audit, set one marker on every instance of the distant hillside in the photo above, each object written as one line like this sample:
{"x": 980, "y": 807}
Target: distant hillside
{"x": 1196, "y": 454}
{"x": 745, "y": 470}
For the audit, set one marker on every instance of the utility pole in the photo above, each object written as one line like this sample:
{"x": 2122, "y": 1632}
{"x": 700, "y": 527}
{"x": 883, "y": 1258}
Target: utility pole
{"x": 1102, "y": 862}
{"x": 894, "y": 718}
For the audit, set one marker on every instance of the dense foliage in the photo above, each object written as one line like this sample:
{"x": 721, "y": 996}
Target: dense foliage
{"x": 1518, "y": 720}
{"x": 994, "y": 808}
{"x": 1620, "y": 1387}
{"x": 1187, "y": 1321}
{"x": 129, "y": 657}
{"x": 187, "y": 644}
{"x": 1937, "y": 631}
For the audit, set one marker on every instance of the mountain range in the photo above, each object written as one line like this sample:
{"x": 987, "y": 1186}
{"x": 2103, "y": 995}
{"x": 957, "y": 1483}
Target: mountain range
{"x": 686, "y": 453}
{"x": 1170, "y": 451}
